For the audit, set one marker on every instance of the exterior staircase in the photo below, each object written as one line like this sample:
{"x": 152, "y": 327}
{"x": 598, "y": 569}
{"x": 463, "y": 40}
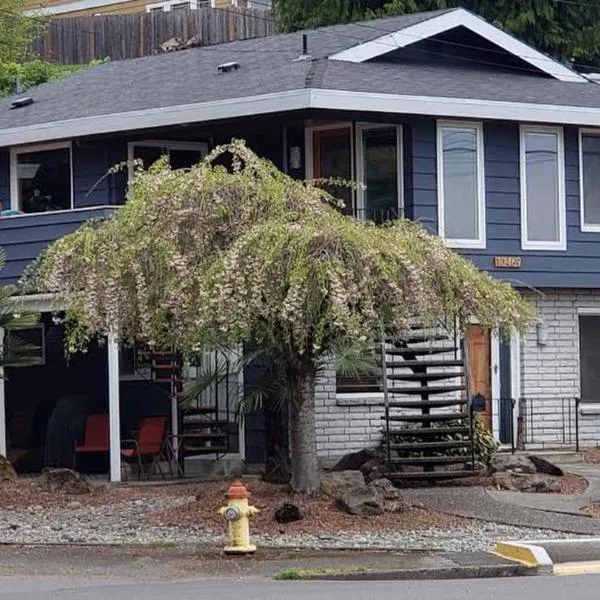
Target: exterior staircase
{"x": 428, "y": 431}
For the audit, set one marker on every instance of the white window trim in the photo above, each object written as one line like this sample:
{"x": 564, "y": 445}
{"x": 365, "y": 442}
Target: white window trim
{"x": 585, "y": 227}
{"x": 14, "y": 180}
{"x": 360, "y": 161}
{"x": 168, "y": 144}
{"x": 167, "y": 5}
{"x": 480, "y": 241}
{"x": 561, "y": 244}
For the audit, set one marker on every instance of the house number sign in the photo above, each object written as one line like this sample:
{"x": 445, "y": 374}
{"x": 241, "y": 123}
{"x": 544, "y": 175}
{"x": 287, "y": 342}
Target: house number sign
{"x": 508, "y": 262}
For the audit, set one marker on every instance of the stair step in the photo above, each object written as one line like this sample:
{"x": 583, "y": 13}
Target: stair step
{"x": 426, "y": 418}
{"x": 426, "y": 403}
{"x": 423, "y": 351}
{"x": 416, "y": 364}
{"x": 430, "y": 432}
{"x": 432, "y": 460}
{"x": 424, "y": 376}
{"x": 430, "y": 475}
{"x": 431, "y": 445}
{"x": 187, "y": 449}
{"x": 200, "y": 435}
{"x": 419, "y": 337}
{"x": 427, "y": 389}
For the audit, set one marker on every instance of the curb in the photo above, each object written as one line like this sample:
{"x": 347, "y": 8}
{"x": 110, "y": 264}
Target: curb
{"x": 528, "y": 554}
{"x": 478, "y": 572}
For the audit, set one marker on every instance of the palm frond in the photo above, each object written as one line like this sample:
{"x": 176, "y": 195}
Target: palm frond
{"x": 353, "y": 359}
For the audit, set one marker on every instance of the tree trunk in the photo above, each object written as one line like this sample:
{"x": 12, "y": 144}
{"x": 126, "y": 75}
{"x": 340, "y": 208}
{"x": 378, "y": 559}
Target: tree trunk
{"x": 303, "y": 444}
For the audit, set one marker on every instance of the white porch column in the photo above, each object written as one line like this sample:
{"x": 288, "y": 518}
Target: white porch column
{"x": 113, "y": 407}
{"x": 2, "y": 402}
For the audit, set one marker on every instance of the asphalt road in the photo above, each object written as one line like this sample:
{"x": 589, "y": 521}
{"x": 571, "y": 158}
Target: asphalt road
{"x": 529, "y": 588}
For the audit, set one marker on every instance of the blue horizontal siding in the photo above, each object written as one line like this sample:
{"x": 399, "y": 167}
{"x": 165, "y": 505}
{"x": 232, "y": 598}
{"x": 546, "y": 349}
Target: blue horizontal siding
{"x": 24, "y": 237}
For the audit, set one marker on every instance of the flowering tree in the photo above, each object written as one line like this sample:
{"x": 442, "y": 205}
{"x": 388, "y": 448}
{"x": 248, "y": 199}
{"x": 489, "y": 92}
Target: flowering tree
{"x": 217, "y": 256}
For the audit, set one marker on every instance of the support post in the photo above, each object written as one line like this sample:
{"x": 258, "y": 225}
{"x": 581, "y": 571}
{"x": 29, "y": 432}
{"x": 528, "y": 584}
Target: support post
{"x": 2, "y": 401}
{"x": 114, "y": 408}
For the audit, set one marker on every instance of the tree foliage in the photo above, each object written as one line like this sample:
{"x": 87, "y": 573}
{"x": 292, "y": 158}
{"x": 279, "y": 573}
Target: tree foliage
{"x": 16, "y": 30}
{"x": 568, "y": 31}
{"x": 32, "y": 73}
{"x": 216, "y": 256}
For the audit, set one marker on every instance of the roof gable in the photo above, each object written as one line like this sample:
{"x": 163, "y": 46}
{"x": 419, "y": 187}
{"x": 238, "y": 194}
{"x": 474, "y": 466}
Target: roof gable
{"x": 440, "y": 23}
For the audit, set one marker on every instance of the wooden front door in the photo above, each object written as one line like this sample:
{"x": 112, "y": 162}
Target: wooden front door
{"x": 479, "y": 349}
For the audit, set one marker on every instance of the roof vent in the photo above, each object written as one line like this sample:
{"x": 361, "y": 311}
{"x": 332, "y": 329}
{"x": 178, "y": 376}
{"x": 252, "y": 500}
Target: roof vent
{"x": 20, "y": 102}
{"x": 305, "y": 55}
{"x": 227, "y": 67}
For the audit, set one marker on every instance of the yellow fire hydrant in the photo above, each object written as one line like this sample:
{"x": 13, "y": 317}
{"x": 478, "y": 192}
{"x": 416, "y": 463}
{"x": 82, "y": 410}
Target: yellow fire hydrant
{"x": 237, "y": 513}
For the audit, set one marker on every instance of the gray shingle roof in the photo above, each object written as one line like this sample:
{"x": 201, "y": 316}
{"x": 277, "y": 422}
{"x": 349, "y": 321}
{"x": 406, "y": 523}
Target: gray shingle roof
{"x": 270, "y": 65}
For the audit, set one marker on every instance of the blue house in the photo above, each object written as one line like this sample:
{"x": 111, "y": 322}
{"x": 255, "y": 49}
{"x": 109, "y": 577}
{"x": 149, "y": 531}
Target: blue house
{"x": 441, "y": 116}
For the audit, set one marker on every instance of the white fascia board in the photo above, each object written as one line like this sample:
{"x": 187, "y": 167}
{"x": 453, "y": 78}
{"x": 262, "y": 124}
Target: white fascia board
{"x": 450, "y": 20}
{"x": 157, "y": 117}
{"x": 61, "y": 9}
{"x": 455, "y": 108}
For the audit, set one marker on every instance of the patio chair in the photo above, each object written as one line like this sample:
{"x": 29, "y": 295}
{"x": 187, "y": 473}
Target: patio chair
{"x": 96, "y": 437}
{"x": 148, "y": 446}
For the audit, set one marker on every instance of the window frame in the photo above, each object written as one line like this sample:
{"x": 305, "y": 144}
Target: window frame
{"x": 167, "y": 4}
{"x": 359, "y": 159}
{"x": 168, "y": 144}
{"x": 481, "y": 240}
{"x": 585, "y": 227}
{"x": 561, "y": 243}
{"x": 16, "y": 151}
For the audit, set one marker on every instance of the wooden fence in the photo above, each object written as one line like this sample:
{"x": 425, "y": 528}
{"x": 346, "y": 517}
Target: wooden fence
{"x": 81, "y": 39}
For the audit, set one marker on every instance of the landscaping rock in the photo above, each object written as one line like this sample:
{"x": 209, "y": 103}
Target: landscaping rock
{"x": 336, "y": 483}
{"x": 288, "y": 513}
{"x": 389, "y": 496}
{"x": 362, "y": 502}
{"x": 355, "y": 460}
{"x": 373, "y": 469}
{"x": 504, "y": 481}
{"x": 540, "y": 483}
{"x": 515, "y": 463}
{"x": 64, "y": 480}
{"x": 7, "y": 471}
{"x": 545, "y": 466}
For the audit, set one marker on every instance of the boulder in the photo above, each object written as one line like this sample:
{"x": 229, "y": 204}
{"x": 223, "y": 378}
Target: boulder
{"x": 541, "y": 483}
{"x": 389, "y": 496}
{"x": 336, "y": 483}
{"x": 545, "y": 466}
{"x": 361, "y": 502}
{"x": 288, "y": 513}
{"x": 7, "y": 471}
{"x": 505, "y": 481}
{"x": 373, "y": 469}
{"x": 515, "y": 463}
{"x": 355, "y": 460}
{"x": 64, "y": 480}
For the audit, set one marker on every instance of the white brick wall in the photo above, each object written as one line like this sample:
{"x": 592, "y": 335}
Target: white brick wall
{"x": 551, "y": 371}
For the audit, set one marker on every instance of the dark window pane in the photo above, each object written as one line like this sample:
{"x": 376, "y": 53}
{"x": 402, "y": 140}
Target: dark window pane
{"x": 380, "y": 165}
{"x": 333, "y": 159}
{"x": 591, "y": 178}
{"x": 148, "y": 154}
{"x": 44, "y": 180}
{"x": 589, "y": 357}
{"x": 184, "y": 159}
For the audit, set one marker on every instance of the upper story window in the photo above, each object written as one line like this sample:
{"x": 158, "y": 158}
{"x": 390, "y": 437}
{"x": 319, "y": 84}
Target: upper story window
{"x": 461, "y": 188}
{"x": 543, "y": 222}
{"x": 181, "y": 155}
{"x": 371, "y": 154}
{"x": 175, "y": 5}
{"x": 589, "y": 178}
{"x": 41, "y": 178}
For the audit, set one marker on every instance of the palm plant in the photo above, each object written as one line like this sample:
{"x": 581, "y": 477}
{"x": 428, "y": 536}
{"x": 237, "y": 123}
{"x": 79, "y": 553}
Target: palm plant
{"x": 14, "y": 352}
{"x": 268, "y": 392}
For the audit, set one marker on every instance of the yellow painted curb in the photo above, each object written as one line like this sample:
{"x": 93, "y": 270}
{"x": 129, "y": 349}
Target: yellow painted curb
{"x": 577, "y": 568}
{"x": 529, "y": 555}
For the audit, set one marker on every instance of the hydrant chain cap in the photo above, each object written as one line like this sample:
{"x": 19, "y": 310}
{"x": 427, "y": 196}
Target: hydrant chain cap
{"x": 237, "y": 491}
